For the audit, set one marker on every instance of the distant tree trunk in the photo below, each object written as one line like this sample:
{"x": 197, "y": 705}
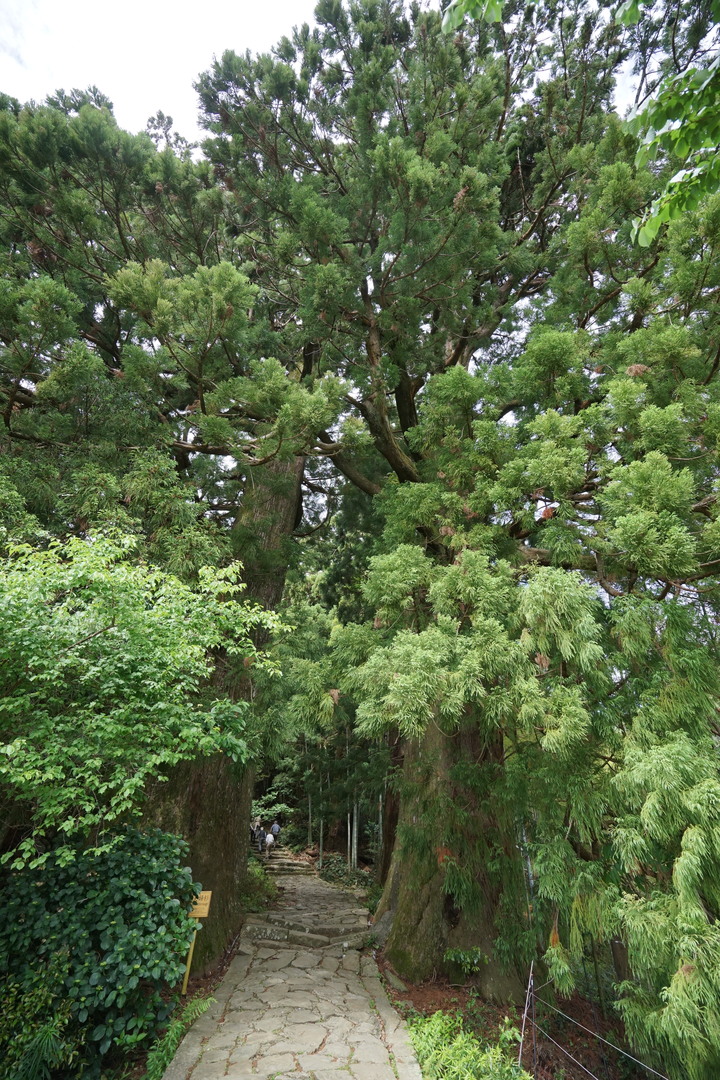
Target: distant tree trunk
{"x": 355, "y": 831}
{"x": 427, "y": 921}
{"x": 349, "y": 838}
{"x": 621, "y": 962}
{"x": 322, "y": 829}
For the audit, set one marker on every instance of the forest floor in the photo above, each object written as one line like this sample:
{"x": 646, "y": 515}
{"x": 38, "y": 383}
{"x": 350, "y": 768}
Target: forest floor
{"x": 542, "y": 1057}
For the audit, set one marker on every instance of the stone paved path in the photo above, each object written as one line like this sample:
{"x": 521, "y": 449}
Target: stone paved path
{"x": 298, "y": 1001}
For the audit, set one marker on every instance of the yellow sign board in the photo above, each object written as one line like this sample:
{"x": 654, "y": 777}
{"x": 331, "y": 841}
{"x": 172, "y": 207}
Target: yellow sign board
{"x": 201, "y": 909}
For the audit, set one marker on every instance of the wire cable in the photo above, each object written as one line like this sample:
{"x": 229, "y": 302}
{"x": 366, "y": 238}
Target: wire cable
{"x": 606, "y": 1041}
{"x": 532, "y": 1000}
{"x": 525, "y": 1013}
{"x": 566, "y": 1052}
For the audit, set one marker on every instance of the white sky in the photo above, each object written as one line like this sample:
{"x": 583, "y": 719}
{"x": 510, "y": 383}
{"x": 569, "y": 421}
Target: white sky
{"x": 142, "y": 54}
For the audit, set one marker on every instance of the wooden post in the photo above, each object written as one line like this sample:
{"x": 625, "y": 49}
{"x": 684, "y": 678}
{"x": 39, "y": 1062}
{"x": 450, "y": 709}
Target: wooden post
{"x": 201, "y": 910}
{"x": 191, "y": 950}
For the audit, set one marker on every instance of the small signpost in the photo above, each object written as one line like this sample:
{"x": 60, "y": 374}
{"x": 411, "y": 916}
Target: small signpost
{"x": 201, "y": 910}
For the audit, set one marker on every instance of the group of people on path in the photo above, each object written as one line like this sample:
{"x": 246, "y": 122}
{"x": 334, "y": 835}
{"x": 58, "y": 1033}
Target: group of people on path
{"x": 263, "y": 837}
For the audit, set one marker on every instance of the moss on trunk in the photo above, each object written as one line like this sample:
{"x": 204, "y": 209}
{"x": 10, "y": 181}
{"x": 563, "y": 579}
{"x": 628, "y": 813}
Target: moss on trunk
{"x": 208, "y": 802}
{"x": 439, "y": 887}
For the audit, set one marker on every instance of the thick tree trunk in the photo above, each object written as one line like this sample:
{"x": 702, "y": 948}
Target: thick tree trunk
{"x": 271, "y": 509}
{"x": 208, "y": 802}
{"x": 390, "y": 811}
{"x": 429, "y": 851}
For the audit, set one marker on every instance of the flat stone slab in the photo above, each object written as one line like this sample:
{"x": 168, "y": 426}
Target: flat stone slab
{"x": 397, "y": 984}
{"x": 299, "y": 1010}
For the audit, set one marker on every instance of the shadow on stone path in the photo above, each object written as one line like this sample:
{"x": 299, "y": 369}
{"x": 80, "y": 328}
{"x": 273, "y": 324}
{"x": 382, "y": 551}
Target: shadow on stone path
{"x": 298, "y": 1001}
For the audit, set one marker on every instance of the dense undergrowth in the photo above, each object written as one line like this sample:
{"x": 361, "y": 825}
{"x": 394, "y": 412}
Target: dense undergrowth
{"x": 87, "y": 949}
{"x": 336, "y": 870}
{"x": 446, "y": 1050}
{"x": 163, "y": 1051}
{"x": 259, "y": 889}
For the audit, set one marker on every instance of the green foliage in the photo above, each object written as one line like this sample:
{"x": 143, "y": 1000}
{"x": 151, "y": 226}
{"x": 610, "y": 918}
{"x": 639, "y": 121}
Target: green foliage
{"x": 407, "y": 265}
{"x": 446, "y": 1051}
{"x": 468, "y": 960}
{"x": 88, "y": 947}
{"x": 259, "y": 890}
{"x": 335, "y": 869}
{"x": 678, "y": 122}
{"x": 163, "y": 1050}
{"x": 34, "y": 1025}
{"x": 105, "y": 673}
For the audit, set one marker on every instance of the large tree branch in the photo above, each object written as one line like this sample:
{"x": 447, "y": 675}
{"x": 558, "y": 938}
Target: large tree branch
{"x": 346, "y": 466}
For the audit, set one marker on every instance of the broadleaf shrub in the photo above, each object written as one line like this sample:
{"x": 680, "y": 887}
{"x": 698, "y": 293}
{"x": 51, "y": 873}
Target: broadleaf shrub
{"x": 259, "y": 889}
{"x": 163, "y": 1050}
{"x": 35, "y": 1037}
{"x": 103, "y": 934}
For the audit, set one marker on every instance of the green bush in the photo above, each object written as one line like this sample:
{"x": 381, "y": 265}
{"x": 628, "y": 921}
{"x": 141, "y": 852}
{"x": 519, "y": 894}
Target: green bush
{"x": 446, "y": 1051}
{"x": 374, "y": 894}
{"x": 163, "y": 1050}
{"x": 294, "y": 836}
{"x": 269, "y": 808}
{"x": 335, "y": 869}
{"x": 100, "y": 936}
{"x": 259, "y": 889}
{"x": 34, "y": 1024}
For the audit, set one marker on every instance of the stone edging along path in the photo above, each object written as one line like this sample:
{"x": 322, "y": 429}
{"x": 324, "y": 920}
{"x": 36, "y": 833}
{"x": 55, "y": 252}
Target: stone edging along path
{"x": 298, "y": 1002}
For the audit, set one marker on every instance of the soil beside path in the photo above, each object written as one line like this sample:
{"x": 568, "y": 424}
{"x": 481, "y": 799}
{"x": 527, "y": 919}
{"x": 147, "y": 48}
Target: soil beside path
{"x": 298, "y": 1002}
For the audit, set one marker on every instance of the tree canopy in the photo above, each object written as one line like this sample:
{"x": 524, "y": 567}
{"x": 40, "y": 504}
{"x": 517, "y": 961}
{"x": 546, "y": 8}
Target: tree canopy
{"x": 106, "y": 684}
{"x": 676, "y": 99}
{"x": 391, "y": 345}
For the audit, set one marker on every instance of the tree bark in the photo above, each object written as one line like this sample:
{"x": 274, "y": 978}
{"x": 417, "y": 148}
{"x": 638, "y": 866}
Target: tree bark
{"x": 208, "y": 802}
{"x": 427, "y": 920}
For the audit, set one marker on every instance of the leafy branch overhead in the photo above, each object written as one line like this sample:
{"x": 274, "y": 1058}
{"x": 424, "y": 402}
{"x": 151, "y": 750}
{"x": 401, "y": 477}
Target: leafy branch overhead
{"x": 388, "y": 353}
{"x": 679, "y": 123}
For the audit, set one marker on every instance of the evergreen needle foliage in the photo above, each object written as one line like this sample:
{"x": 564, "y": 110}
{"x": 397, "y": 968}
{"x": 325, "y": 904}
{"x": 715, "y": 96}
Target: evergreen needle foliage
{"x": 447, "y": 1052}
{"x": 390, "y": 342}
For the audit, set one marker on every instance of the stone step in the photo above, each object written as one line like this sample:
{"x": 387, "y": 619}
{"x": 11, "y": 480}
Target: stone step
{"x": 256, "y": 929}
{"x": 282, "y": 859}
{"x": 288, "y": 868}
{"x": 326, "y": 930}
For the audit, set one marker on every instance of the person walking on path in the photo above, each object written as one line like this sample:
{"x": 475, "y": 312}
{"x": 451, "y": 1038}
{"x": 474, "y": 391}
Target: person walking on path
{"x": 275, "y": 830}
{"x": 269, "y": 842}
